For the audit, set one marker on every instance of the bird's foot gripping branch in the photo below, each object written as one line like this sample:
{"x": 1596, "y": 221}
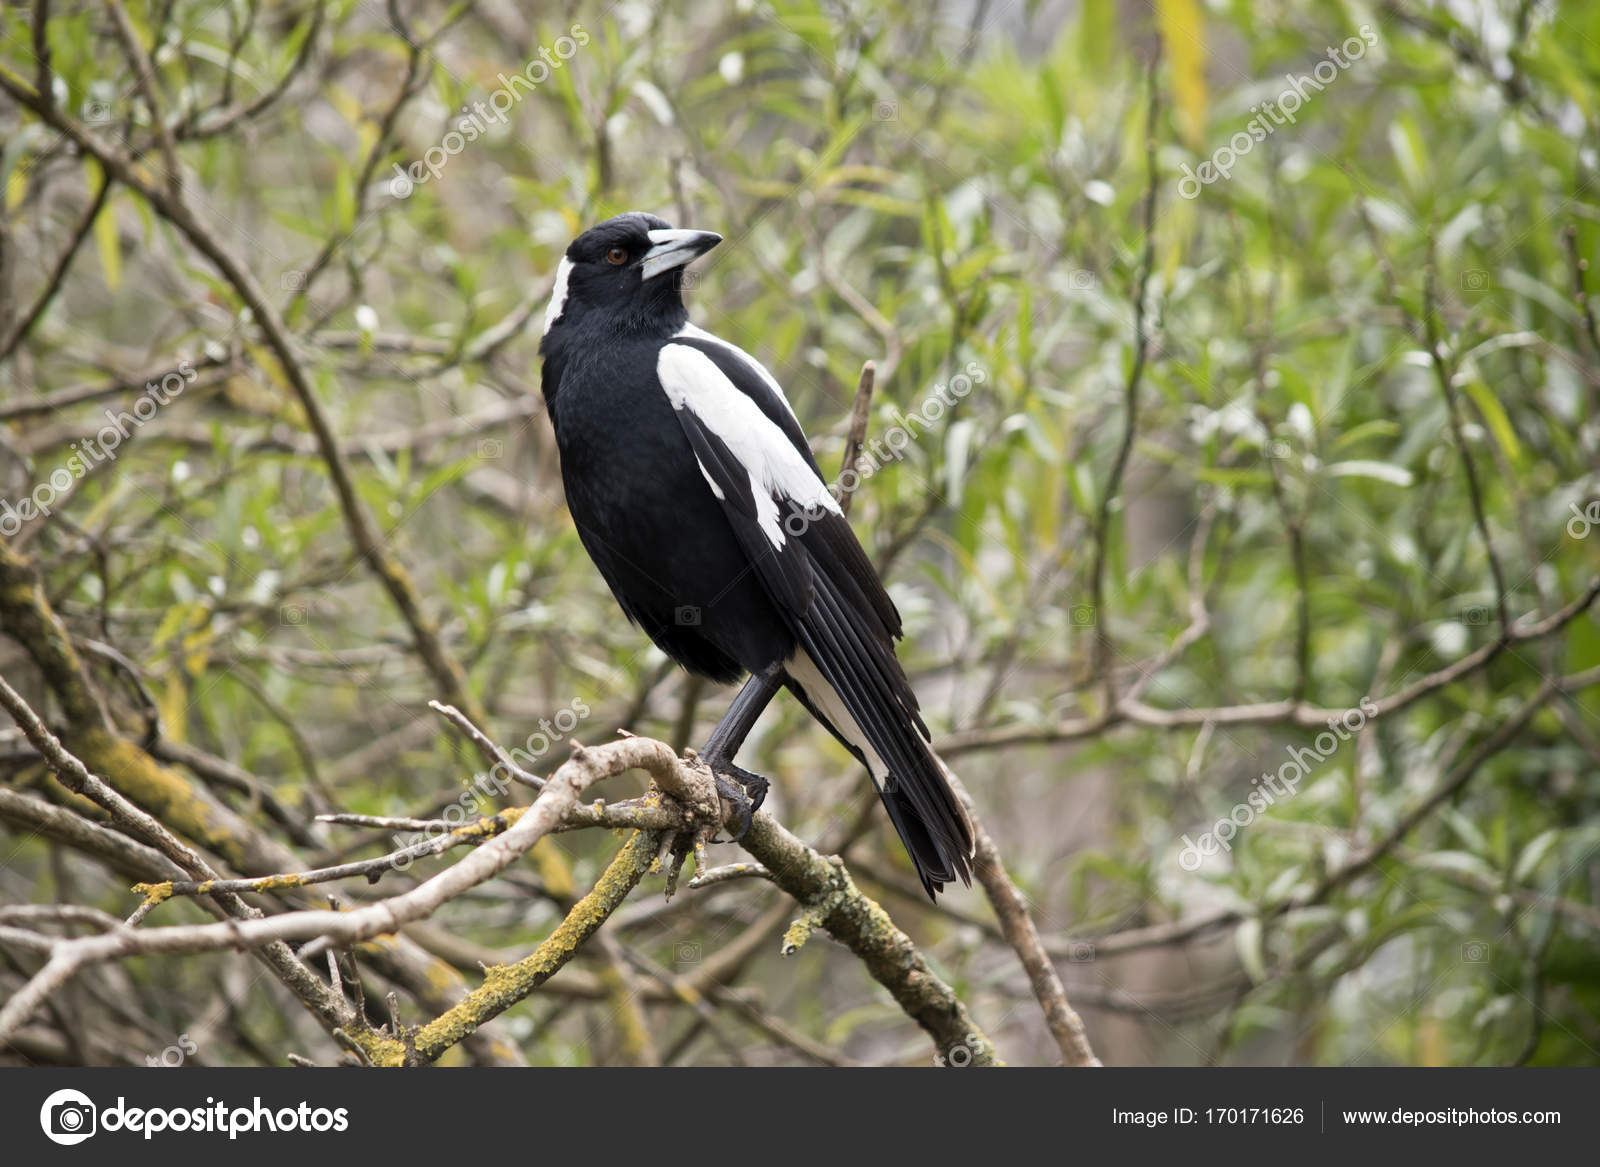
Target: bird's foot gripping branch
{"x": 673, "y": 820}
{"x": 683, "y": 810}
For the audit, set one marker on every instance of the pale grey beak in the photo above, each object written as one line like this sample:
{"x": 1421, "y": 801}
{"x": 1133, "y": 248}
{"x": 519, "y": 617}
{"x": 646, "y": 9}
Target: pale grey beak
{"x": 674, "y": 248}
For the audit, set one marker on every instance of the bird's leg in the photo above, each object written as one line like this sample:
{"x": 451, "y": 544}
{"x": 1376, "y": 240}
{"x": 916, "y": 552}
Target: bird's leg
{"x": 739, "y": 786}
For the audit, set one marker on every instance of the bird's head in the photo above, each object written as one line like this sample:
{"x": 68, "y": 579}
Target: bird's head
{"x": 624, "y": 272}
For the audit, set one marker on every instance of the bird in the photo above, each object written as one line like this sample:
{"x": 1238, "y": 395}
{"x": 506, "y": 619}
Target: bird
{"x": 694, "y": 490}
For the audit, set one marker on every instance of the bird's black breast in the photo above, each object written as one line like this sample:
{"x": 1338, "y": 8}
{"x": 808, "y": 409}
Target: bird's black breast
{"x": 647, "y": 516}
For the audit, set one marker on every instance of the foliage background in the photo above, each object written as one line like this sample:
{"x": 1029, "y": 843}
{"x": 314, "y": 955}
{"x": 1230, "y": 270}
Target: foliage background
{"x": 930, "y": 188}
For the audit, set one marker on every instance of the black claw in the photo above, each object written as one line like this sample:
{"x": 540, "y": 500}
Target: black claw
{"x": 739, "y": 786}
{"x": 756, "y": 787}
{"x": 730, "y": 788}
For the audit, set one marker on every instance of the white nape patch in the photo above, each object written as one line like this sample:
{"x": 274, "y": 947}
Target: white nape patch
{"x": 693, "y": 381}
{"x": 558, "y": 295}
{"x": 806, "y": 674}
{"x": 695, "y": 332}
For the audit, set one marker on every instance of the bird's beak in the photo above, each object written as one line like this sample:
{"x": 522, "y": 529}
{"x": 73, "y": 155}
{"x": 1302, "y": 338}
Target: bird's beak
{"x": 674, "y": 248}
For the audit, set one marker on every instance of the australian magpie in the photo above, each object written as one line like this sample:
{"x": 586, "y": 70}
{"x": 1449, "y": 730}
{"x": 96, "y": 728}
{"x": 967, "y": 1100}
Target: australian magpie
{"x": 695, "y": 493}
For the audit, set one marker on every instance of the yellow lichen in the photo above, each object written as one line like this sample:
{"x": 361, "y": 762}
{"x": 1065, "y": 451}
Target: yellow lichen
{"x": 154, "y": 893}
{"x": 162, "y": 792}
{"x": 795, "y": 936}
{"x": 506, "y": 984}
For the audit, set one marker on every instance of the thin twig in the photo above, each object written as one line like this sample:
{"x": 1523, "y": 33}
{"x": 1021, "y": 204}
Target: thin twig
{"x": 860, "y": 414}
{"x": 492, "y": 753}
{"x": 1446, "y": 379}
{"x": 1101, "y": 665}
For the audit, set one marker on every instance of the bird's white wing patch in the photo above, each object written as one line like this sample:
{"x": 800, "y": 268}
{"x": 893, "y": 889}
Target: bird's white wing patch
{"x": 692, "y": 381}
{"x": 558, "y": 295}
{"x": 694, "y": 332}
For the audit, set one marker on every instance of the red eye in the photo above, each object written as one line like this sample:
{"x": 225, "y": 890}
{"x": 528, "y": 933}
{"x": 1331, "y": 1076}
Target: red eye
{"x": 617, "y": 255}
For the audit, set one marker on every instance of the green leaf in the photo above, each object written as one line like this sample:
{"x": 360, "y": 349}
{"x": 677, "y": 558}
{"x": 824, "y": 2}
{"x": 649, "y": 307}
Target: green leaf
{"x": 1495, "y": 418}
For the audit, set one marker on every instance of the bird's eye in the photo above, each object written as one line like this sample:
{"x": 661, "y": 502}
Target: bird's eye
{"x": 617, "y": 256}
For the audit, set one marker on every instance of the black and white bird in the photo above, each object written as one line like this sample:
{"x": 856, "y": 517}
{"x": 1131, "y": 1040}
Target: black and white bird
{"x": 695, "y": 493}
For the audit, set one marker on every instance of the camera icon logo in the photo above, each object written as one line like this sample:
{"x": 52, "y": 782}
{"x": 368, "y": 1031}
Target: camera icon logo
{"x": 687, "y": 616}
{"x": 1476, "y": 280}
{"x": 68, "y": 1117}
{"x": 491, "y": 448}
{"x": 1083, "y": 616}
{"x": 1081, "y": 279}
{"x": 687, "y": 952}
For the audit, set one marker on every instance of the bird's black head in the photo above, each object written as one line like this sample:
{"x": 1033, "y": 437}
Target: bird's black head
{"x": 623, "y": 273}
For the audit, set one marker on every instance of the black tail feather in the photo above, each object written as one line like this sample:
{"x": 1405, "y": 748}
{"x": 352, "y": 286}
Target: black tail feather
{"x": 863, "y": 673}
{"x": 934, "y": 867}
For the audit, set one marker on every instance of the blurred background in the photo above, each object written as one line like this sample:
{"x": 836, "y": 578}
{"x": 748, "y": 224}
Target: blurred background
{"x": 1247, "y": 579}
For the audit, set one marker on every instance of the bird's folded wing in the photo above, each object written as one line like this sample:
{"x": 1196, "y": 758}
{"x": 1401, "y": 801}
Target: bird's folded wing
{"x": 753, "y": 455}
{"x": 756, "y": 461}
